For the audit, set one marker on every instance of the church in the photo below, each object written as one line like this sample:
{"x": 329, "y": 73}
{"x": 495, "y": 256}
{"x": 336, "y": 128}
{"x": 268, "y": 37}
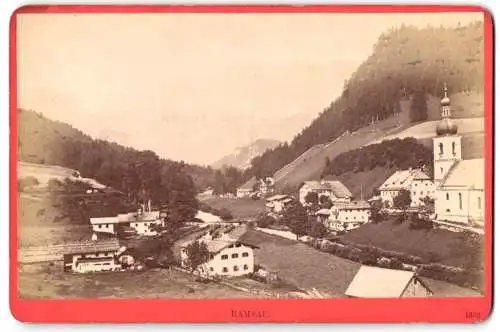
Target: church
{"x": 459, "y": 183}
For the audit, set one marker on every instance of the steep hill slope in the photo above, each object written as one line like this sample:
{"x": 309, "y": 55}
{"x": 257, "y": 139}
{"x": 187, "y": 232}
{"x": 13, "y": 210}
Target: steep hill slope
{"x": 405, "y": 61}
{"x": 241, "y": 158}
{"x": 310, "y": 165}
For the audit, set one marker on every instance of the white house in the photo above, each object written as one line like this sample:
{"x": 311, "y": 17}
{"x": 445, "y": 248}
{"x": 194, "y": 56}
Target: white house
{"x": 93, "y": 256}
{"x": 229, "y": 255}
{"x": 459, "y": 183}
{"x": 142, "y": 222}
{"x": 376, "y": 282}
{"x": 335, "y": 190}
{"x": 261, "y": 187}
{"x": 278, "y": 203}
{"x": 348, "y": 216}
{"x": 395, "y": 184}
{"x": 421, "y": 187}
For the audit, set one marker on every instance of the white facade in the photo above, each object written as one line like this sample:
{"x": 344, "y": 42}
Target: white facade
{"x": 460, "y": 183}
{"x": 233, "y": 260}
{"x": 421, "y": 189}
{"x": 104, "y": 225}
{"x": 447, "y": 150}
{"x": 354, "y": 215}
{"x": 145, "y": 227}
{"x": 240, "y": 193}
{"x": 91, "y": 262}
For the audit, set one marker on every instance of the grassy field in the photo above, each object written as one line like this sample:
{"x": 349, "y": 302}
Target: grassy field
{"x": 52, "y": 283}
{"x": 438, "y": 245}
{"x": 242, "y": 208}
{"x": 309, "y": 268}
{"x": 302, "y": 265}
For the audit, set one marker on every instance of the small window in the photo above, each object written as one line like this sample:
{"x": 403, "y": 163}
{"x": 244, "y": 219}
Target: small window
{"x": 447, "y": 196}
{"x": 100, "y": 226}
{"x": 414, "y": 193}
{"x": 245, "y": 254}
{"x": 421, "y": 193}
{"x": 245, "y": 267}
{"x": 223, "y": 257}
{"x": 441, "y": 170}
{"x": 238, "y": 245}
{"x": 235, "y": 268}
{"x": 234, "y": 256}
{"x": 211, "y": 269}
{"x": 224, "y": 270}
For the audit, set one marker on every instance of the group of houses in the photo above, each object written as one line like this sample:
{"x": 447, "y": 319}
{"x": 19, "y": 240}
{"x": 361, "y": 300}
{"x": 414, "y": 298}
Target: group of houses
{"x": 457, "y": 187}
{"x": 230, "y": 254}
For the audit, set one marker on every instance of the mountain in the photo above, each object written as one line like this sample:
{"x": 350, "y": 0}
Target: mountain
{"x": 48, "y": 142}
{"x": 405, "y": 62}
{"x": 242, "y": 156}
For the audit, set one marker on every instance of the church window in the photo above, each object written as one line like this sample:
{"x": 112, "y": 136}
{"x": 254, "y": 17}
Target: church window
{"x": 453, "y": 148}
{"x": 440, "y": 148}
{"x": 460, "y": 201}
{"x": 441, "y": 170}
{"x": 447, "y": 196}
{"x": 479, "y": 202}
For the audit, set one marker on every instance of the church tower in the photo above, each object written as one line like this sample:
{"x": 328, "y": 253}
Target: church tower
{"x": 447, "y": 144}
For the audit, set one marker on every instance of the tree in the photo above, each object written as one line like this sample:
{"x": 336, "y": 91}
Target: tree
{"x": 198, "y": 254}
{"x": 403, "y": 200}
{"x": 376, "y": 211}
{"x": 225, "y": 214}
{"x": 182, "y": 203}
{"x": 296, "y": 217}
{"x": 318, "y": 230}
{"x": 325, "y": 202}
{"x": 264, "y": 221}
{"x": 312, "y": 198}
{"x": 418, "y": 107}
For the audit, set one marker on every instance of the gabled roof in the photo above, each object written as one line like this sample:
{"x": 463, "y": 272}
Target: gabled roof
{"x": 92, "y": 246}
{"x": 466, "y": 173}
{"x": 336, "y": 187}
{"x": 398, "y": 181}
{"x": 421, "y": 175}
{"x": 376, "y": 282}
{"x": 104, "y": 220}
{"x": 324, "y": 212}
{"x": 277, "y": 198}
{"x": 355, "y": 205}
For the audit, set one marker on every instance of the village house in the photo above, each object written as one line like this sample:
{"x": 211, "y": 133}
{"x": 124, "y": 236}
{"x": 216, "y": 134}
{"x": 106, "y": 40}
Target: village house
{"x": 230, "y": 256}
{"x": 376, "y": 282}
{"x": 278, "y": 203}
{"x": 261, "y": 188}
{"x": 422, "y": 186}
{"x": 91, "y": 256}
{"x": 348, "y": 216}
{"x": 459, "y": 183}
{"x": 334, "y": 190}
{"x": 395, "y": 184}
{"x": 141, "y": 221}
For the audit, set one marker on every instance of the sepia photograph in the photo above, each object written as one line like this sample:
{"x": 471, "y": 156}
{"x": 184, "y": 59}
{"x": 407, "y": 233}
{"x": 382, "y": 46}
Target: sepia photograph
{"x": 250, "y": 155}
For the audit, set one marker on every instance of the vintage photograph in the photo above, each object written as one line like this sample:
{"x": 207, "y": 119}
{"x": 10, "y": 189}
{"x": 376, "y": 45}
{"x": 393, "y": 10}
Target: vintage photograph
{"x": 250, "y": 155}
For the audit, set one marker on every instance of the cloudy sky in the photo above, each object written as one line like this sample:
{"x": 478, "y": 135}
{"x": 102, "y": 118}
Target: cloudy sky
{"x": 194, "y": 86}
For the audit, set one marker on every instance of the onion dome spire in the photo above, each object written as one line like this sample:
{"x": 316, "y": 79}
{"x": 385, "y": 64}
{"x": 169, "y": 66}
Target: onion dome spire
{"x": 446, "y": 126}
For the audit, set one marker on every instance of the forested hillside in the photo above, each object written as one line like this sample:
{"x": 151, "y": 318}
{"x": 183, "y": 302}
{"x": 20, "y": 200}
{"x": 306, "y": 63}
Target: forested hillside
{"x": 137, "y": 173}
{"x": 407, "y": 63}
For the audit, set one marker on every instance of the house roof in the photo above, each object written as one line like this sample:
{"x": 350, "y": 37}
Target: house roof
{"x": 324, "y": 212}
{"x": 376, "y": 282}
{"x": 356, "y": 205}
{"x": 277, "y": 198}
{"x": 126, "y": 218}
{"x": 336, "y": 187}
{"x": 466, "y": 173}
{"x": 399, "y": 180}
{"x": 92, "y": 246}
{"x": 421, "y": 175}
{"x": 104, "y": 220}
{"x": 215, "y": 245}
{"x": 249, "y": 184}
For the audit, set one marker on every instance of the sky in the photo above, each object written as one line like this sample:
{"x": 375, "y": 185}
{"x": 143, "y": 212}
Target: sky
{"x": 194, "y": 87}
